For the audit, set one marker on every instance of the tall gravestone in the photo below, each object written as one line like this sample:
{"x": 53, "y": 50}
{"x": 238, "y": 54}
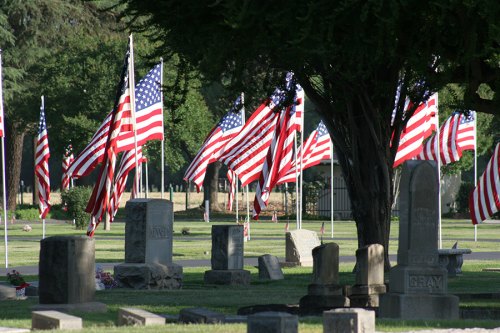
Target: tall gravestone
{"x": 324, "y": 292}
{"x": 67, "y": 274}
{"x": 148, "y": 247}
{"x": 298, "y": 246}
{"x": 227, "y": 256}
{"x": 418, "y": 284}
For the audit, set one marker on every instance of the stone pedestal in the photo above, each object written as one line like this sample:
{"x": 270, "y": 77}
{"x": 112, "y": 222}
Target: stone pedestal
{"x": 369, "y": 277}
{"x": 325, "y": 292}
{"x": 299, "y": 245}
{"x": 148, "y": 247}
{"x": 418, "y": 284}
{"x": 272, "y": 322}
{"x": 349, "y": 320}
{"x": 67, "y": 270}
{"x": 227, "y": 256}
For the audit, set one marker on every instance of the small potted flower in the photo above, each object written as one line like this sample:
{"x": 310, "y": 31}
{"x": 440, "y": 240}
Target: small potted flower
{"x": 16, "y": 279}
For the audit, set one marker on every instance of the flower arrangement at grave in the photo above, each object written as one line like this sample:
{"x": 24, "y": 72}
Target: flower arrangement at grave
{"x": 105, "y": 278}
{"x": 16, "y": 279}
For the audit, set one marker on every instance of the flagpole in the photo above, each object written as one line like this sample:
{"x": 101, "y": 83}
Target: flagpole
{"x": 248, "y": 202}
{"x": 438, "y": 160}
{"x": 301, "y": 164}
{"x": 296, "y": 186}
{"x": 475, "y": 165}
{"x": 43, "y": 219}
{"x": 4, "y": 187}
{"x": 131, "y": 85}
{"x": 147, "y": 179}
{"x": 331, "y": 185}
{"x": 236, "y": 207}
{"x": 163, "y": 135}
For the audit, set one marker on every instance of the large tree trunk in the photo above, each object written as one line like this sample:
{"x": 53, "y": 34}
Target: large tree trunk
{"x": 211, "y": 186}
{"x": 13, "y": 157}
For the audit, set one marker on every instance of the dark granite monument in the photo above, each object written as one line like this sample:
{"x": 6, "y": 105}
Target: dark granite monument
{"x": 148, "y": 247}
{"x": 418, "y": 283}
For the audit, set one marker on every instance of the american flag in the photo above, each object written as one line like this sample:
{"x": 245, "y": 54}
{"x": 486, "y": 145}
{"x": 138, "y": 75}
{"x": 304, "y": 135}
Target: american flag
{"x": 317, "y": 147}
{"x": 419, "y": 126}
{"x": 246, "y": 152}
{"x": 484, "y": 201}
{"x": 278, "y": 160}
{"x": 275, "y": 217}
{"x": 127, "y": 163}
{"x": 287, "y": 227}
{"x": 227, "y": 128}
{"x": 67, "y": 160}
{"x": 42, "y": 165}
{"x": 322, "y": 229}
{"x": 149, "y": 124}
{"x": 448, "y": 149}
{"x": 466, "y": 135}
{"x": 233, "y": 183}
{"x": 98, "y": 204}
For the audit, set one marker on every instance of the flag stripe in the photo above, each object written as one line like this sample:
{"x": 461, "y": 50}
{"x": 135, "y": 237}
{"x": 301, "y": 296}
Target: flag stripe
{"x": 42, "y": 156}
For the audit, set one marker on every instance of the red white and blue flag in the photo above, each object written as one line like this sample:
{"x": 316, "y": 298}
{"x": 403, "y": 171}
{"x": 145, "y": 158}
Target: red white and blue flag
{"x": 149, "y": 126}
{"x": 233, "y": 183}
{"x": 42, "y": 155}
{"x": 99, "y": 201}
{"x": 227, "y": 128}
{"x": 316, "y": 148}
{"x": 448, "y": 148}
{"x": 68, "y": 158}
{"x": 466, "y": 134}
{"x": 484, "y": 201}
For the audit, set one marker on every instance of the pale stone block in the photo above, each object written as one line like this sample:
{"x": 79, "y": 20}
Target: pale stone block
{"x": 133, "y": 316}
{"x": 351, "y": 320}
{"x": 299, "y": 245}
{"x": 49, "y": 320}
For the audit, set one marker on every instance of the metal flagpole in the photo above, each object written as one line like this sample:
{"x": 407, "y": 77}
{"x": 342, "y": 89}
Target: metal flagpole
{"x": 296, "y": 185}
{"x": 236, "y": 207}
{"x": 131, "y": 86}
{"x": 43, "y": 219}
{"x": 4, "y": 187}
{"x": 163, "y": 136}
{"x": 147, "y": 179}
{"x": 331, "y": 185}
{"x": 438, "y": 160}
{"x": 301, "y": 164}
{"x": 475, "y": 165}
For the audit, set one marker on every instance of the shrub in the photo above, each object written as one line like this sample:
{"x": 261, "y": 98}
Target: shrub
{"x": 75, "y": 199}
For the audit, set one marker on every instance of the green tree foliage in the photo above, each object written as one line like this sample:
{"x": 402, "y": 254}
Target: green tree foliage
{"x": 350, "y": 57}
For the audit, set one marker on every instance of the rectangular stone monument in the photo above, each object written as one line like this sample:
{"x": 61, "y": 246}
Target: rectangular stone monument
{"x": 369, "y": 277}
{"x": 227, "y": 256}
{"x": 351, "y": 320}
{"x": 269, "y": 268}
{"x": 272, "y": 322}
{"x": 49, "y": 320}
{"x": 201, "y": 316}
{"x": 299, "y": 245}
{"x": 324, "y": 292}
{"x": 418, "y": 284}
{"x": 148, "y": 247}
{"x": 133, "y": 317}
{"x": 66, "y": 270}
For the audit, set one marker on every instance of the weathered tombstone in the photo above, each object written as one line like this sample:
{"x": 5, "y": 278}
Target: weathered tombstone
{"x": 201, "y": 316}
{"x": 67, "y": 274}
{"x": 269, "y": 268}
{"x": 299, "y": 244}
{"x": 133, "y": 317}
{"x": 324, "y": 292}
{"x": 369, "y": 277}
{"x": 148, "y": 247}
{"x": 349, "y": 321}
{"x": 49, "y": 320}
{"x": 418, "y": 284}
{"x": 272, "y": 322}
{"x": 227, "y": 256}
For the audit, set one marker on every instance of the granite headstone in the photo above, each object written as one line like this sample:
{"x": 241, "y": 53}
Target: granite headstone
{"x": 298, "y": 246}
{"x": 269, "y": 268}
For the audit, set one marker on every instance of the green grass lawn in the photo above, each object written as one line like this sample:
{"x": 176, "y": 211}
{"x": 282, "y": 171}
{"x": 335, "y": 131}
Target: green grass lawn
{"x": 267, "y": 237}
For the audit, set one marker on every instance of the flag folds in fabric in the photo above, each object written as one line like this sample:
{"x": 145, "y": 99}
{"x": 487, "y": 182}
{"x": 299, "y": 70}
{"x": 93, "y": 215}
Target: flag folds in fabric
{"x": 98, "y": 204}
{"x": 466, "y": 134}
{"x": 42, "y": 155}
{"x": 417, "y": 129}
{"x": 149, "y": 126}
{"x": 233, "y": 183}
{"x": 67, "y": 160}
{"x": 484, "y": 201}
{"x": 316, "y": 148}
{"x": 227, "y": 128}
{"x": 448, "y": 149}
{"x": 127, "y": 163}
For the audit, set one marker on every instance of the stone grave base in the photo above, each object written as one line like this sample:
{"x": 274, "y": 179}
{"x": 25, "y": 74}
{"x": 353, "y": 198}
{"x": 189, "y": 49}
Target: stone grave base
{"x": 148, "y": 276}
{"x": 316, "y": 304}
{"x": 227, "y": 277}
{"x": 365, "y": 301}
{"x": 415, "y": 306}
{"x": 365, "y": 296}
{"x": 70, "y": 307}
